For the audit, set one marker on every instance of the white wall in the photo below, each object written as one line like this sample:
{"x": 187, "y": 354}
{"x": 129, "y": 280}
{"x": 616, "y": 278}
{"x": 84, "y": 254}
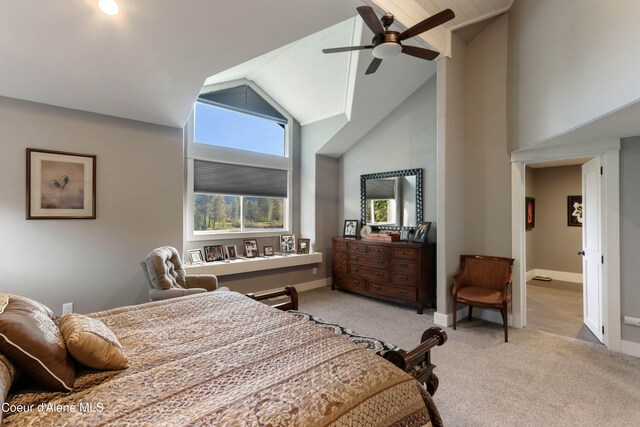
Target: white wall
{"x": 93, "y": 263}
{"x": 405, "y": 139}
{"x": 570, "y": 62}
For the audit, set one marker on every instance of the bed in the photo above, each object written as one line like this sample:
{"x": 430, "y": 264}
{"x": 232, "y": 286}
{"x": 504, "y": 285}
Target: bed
{"x": 221, "y": 358}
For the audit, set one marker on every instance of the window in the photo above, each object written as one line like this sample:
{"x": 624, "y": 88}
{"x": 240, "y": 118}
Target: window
{"x": 239, "y": 167}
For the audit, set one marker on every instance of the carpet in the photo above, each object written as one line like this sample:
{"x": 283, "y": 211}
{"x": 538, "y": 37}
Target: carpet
{"x": 537, "y": 378}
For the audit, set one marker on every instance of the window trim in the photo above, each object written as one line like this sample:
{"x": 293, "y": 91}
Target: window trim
{"x": 239, "y": 157}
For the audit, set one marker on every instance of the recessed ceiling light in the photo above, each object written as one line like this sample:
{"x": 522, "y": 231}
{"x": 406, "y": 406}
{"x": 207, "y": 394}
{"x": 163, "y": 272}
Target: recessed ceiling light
{"x": 110, "y": 7}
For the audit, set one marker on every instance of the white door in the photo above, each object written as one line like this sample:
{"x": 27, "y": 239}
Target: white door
{"x": 592, "y": 247}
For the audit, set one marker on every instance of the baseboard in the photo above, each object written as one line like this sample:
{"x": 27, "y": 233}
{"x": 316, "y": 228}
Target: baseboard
{"x": 494, "y": 316}
{"x": 302, "y": 287}
{"x": 630, "y": 348}
{"x": 555, "y": 275}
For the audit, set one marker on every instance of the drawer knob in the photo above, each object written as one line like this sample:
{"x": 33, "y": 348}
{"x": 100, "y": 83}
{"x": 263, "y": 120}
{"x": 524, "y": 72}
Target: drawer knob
{"x": 355, "y": 269}
{"x": 380, "y": 261}
{"x": 355, "y": 258}
{"x": 356, "y": 282}
{"x": 380, "y": 274}
{"x": 403, "y": 292}
{"x": 377, "y": 288}
{"x": 404, "y": 265}
{"x": 403, "y": 277}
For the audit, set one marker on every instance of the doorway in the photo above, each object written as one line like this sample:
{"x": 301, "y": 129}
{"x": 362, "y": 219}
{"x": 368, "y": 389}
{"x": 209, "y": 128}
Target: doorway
{"x": 554, "y": 265}
{"x": 608, "y": 153}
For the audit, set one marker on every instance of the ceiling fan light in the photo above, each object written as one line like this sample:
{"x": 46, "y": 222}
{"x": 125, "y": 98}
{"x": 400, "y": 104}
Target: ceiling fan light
{"x": 387, "y": 50}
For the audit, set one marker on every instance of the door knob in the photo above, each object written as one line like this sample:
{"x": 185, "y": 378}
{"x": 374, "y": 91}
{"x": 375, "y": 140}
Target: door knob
{"x": 581, "y": 253}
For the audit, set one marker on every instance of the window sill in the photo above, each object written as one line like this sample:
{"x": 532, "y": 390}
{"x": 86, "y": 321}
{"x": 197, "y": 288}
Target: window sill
{"x": 235, "y": 235}
{"x": 247, "y": 265}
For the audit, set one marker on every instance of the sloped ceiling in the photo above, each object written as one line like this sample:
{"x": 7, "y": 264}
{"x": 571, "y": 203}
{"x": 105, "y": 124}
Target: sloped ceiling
{"x": 149, "y": 62}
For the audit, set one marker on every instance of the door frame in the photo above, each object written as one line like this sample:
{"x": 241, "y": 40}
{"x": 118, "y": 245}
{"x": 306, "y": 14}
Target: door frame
{"x": 609, "y": 153}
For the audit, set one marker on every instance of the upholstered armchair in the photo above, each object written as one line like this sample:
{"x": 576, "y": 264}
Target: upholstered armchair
{"x": 166, "y": 277}
{"x": 484, "y": 281}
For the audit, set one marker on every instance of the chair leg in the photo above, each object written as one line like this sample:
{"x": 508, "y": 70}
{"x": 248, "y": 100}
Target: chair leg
{"x": 470, "y": 310}
{"x": 454, "y": 305}
{"x": 506, "y": 324}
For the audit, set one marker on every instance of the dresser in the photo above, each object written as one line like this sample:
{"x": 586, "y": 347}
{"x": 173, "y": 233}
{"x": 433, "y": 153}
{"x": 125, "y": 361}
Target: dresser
{"x": 395, "y": 271}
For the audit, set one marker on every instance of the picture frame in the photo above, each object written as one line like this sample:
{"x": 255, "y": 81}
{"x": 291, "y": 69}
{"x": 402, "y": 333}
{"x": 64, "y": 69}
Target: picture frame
{"x": 304, "y": 246}
{"x": 250, "y": 248}
{"x": 404, "y": 234}
{"x": 529, "y": 213}
{"x": 422, "y": 232}
{"x": 214, "y": 253}
{"x": 350, "y": 228}
{"x": 574, "y": 211}
{"x": 287, "y": 243}
{"x": 60, "y": 185}
{"x": 232, "y": 252}
{"x": 195, "y": 256}
{"x": 268, "y": 251}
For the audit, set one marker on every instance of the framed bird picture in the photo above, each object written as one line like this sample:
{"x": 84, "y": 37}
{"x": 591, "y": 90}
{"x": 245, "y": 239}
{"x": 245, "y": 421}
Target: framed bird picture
{"x": 60, "y": 185}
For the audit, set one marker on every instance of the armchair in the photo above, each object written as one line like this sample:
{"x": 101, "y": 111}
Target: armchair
{"x": 166, "y": 277}
{"x": 484, "y": 281}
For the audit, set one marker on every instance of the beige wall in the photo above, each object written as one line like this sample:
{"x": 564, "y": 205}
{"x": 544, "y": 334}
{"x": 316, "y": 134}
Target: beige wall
{"x": 630, "y": 234}
{"x": 570, "y": 62}
{"x": 556, "y": 245}
{"x": 93, "y": 263}
{"x": 488, "y": 171}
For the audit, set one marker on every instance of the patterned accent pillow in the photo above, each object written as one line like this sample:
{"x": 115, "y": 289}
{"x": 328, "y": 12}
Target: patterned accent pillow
{"x": 44, "y": 308}
{"x": 33, "y": 342}
{"x": 7, "y": 374}
{"x": 91, "y": 342}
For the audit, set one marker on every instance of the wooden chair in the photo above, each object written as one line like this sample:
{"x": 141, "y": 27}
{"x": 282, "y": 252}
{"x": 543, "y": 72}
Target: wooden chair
{"x": 484, "y": 281}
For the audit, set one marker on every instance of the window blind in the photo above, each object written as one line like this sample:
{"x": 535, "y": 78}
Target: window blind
{"x": 238, "y": 180}
{"x": 381, "y": 189}
{"x": 245, "y": 99}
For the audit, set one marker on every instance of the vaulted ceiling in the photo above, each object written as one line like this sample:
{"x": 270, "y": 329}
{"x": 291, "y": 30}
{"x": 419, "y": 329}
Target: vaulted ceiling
{"x": 150, "y": 62}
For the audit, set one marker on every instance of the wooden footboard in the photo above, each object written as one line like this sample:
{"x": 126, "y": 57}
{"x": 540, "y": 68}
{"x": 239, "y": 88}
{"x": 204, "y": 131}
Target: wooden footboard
{"x": 289, "y": 291}
{"x": 418, "y": 360}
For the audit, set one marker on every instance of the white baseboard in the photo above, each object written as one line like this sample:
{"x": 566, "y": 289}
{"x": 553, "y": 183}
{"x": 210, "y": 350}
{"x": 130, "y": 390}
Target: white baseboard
{"x": 555, "y": 275}
{"x": 630, "y": 348}
{"x": 494, "y": 316}
{"x": 302, "y": 287}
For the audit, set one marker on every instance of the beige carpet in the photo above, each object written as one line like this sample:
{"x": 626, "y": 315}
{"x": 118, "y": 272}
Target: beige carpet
{"x": 537, "y": 378}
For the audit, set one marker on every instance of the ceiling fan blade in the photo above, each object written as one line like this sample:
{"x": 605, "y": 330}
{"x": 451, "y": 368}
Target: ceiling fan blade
{"x": 374, "y": 66}
{"x": 429, "y": 23}
{"x": 371, "y": 19}
{"x": 345, "y": 49}
{"x": 420, "y": 52}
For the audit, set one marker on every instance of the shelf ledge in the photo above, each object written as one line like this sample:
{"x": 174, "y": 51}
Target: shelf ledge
{"x": 247, "y": 265}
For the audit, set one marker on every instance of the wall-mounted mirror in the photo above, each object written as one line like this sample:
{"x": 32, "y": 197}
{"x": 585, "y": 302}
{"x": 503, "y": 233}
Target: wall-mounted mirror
{"x": 391, "y": 200}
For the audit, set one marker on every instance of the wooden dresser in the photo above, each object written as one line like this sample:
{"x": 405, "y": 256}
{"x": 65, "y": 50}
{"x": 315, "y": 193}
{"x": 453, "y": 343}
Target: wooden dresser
{"x": 395, "y": 271}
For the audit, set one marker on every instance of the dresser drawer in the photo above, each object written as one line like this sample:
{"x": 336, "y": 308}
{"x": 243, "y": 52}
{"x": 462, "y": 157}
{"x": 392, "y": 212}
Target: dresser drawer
{"x": 340, "y": 256}
{"x": 340, "y": 246}
{"x": 391, "y": 291}
{"x": 404, "y": 266}
{"x": 369, "y": 261}
{"x": 378, "y": 250}
{"x": 405, "y": 253}
{"x": 357, "y": 248}
{"x": 340, "y": 267}
{"x": 353, "y": 283}
{"x": 404, "y": 279}
{"x": 369, "y": 272}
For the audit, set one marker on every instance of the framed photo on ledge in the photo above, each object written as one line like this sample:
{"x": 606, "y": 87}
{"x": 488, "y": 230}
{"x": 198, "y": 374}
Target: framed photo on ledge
{"x": 287, "y": 243}
{"x": 250, "y": 248}
{"x": 60, "y": 185}
{"x": 304, "y": 246}
{"x": 350, "y": 228}
{"x": 195, "y": 256}
{"x": 232, "y": 252}
{"x": 214, "y": 253}
{"x": 268, "y": 251}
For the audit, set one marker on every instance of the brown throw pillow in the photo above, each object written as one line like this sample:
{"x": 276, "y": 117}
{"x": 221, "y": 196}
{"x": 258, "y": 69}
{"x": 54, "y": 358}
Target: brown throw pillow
{"x": 91, "y": 342}
{"x": 33, "y": 342}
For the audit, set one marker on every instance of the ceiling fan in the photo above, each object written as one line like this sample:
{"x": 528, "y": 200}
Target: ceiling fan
{"x": 386, "y": 44}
